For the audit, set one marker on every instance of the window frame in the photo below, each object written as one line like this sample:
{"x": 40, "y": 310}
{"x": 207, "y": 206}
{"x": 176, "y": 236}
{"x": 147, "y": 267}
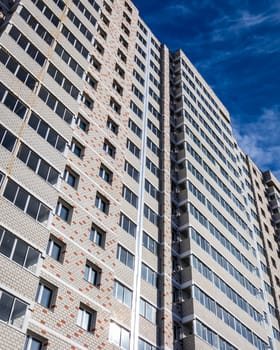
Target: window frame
{"x": 85, "y": 312}
{"x": 61, "y": 203}
{"x": 96, "y": 231}
{"x": 102, "y": 203}
{"x": 51, "y": 289}
{"x": 68, "y": 174}
{"x": 55, "y": 242}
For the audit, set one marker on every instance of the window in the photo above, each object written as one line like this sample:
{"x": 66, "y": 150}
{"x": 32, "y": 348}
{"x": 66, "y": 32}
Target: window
{"x": 102, "y": 203}
{"x": 82, "y": 123}
{"x": 151, "y": 189}
{"x": 143, "y": 345}
{"x": 154, "y": 81}
{"x": 150, "y": 214}
{"x": 106, "y": 174}
{"x": 47, "y": 12}
{"x": 82, "y": 28}
{"x": 73, "y": 64}
{"x": 97, "y": 235}
{"x": 63, "y": 81}
{"x": 156, "y": 57}
{"x": 75, "y": 42}
{"x": 34, "y": 342}
{"x": 154, "y": 67}
{"x": 46, "y": 294}
{"x": 134, "y": 173}
{"x": 119, "y": 336}
{"x": 26, "y": 45}
{"x": 154, "y": 95}
{"x": 7, "y": 139}
{"x": 141, "y": 51}
{"x": 117, "y": 87}
{"x": 12, "y": 102}
{"x": 92, "y": 274}
{"x": 149, "y": 275}
{"x": 71, "y": 177}
{"x": 77, "y": 148}
{"x": 17, "y": 69}
{"x": 26, "y": 202}
{"x": 104, "y": 19}
{"x": 153, "y": 128}
{"x": 154, "y": 112}
{"x": 152, "y": 146}
{"x": 46, "y": 132}
{"x": 109, "y": 148}
{"x": 87, "y": 101}
{"x": 137, "y": 93}
{"x": 133, "y": 148}
{"x": 12, "y": 309}
{"x": 126, "y": 17}
{"x": 136, "y": 109}
{"x": 115, "y": 106}
{"x": 148, "y": 311}
{"x": 112, "y": 126}
{"x": 56, "y": 249}
{"x": 130, "y": 196}
{"x": 101, "y": 32}
{"x": 95, "y": 63}
{"x": 86, "y": 318}
{"x": 128, "y": 225}
{"x": 37, "y": 164}
{"x": 122, "y": 294}
{"x": 121, "y": 55}
{"x": 135, "y": 128}
{"x": 2, "y": 177}
{"x": 17, "y": 250}
{"x": 120, "y": 71}
{"x": 149, "y": 243}
{"x": 64, "y": 210}
{"x": 125, "y": 29}
{"x": 34, "y": 24}
{"x": 91, "y": 81}
{"x": 139, "y": 63}
{"x": 123, "y": 41}
{"x": 138, "y": 77}
{"x": 107, "y": 7}
{"x": 54, "y": 104}
{"x": 128, "y": 7}
{"x": 98, "y": 47}
{"x": 86, "y": 12}
{"x": 141, "y": 26}
{"x": 125, "y": 257}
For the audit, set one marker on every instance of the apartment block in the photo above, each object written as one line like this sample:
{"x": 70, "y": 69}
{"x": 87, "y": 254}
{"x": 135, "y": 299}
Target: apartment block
{"x": 130, "y": 218}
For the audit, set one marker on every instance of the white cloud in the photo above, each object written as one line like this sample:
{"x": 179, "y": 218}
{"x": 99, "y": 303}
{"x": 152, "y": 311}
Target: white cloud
{"x": 260, "y": 140}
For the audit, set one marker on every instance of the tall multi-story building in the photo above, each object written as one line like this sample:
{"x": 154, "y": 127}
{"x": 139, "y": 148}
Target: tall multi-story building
{"x": 130, "y": 218}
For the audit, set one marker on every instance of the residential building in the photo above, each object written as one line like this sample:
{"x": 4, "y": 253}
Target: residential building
{"x": 130, "y": 218}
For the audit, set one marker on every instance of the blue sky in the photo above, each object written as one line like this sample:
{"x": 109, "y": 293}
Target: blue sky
{"x": 235, "y": 45}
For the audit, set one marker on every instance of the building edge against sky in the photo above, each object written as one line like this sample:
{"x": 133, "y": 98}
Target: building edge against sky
{"x": 130, "y": 218}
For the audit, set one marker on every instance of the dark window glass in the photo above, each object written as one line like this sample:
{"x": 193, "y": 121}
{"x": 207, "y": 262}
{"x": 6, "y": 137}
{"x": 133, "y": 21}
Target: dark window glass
{"x": 7, "y": 244}
{"x": 20, "y": 252}
{"x": 33, "y": 207}
{"x": 6, "y": 303}
{"x": 21, "y": 198}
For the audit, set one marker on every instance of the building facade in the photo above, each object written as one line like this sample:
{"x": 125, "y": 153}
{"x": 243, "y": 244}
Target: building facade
{"x": 130, "y": 218}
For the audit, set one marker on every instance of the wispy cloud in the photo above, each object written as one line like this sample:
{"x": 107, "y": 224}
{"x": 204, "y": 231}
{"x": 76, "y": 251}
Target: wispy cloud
{"x": 260, "y": 139}
{"x": 235, "y": 44}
